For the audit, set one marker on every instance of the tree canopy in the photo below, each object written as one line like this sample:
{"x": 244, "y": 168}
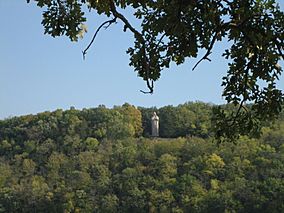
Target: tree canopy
{"x": 173, "y": 30}
{"x": 95, "y": 160}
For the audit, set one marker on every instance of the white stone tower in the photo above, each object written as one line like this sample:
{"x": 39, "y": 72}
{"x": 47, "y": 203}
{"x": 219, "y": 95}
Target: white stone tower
{"x": 155, "y": 125}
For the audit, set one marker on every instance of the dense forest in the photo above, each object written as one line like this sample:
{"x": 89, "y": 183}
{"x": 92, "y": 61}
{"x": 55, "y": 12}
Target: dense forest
{"x": 104, "y": 160}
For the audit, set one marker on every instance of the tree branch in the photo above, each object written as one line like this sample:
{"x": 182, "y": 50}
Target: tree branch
{"x": 228, "y": 24}
{"x": 109, "y": 22}
{"x": 238, "y": 112}
{"x": 205, "y": 57}
{"x": 279, "y": 48}
{"x": 241, "y": 106}
{"x": 139, "y": 36}
{"x": 161, "y": 39}
{"x": 149, "y": 86}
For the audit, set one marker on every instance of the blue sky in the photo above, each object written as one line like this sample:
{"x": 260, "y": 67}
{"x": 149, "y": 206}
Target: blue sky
{"x": 40, "y": 73}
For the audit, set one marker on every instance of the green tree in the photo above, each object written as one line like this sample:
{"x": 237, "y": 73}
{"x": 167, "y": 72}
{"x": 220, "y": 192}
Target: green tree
{"x": 6, "y": 173}
{"x": 132, "y": 116}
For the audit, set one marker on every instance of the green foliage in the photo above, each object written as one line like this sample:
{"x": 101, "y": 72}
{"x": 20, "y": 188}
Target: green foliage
{"x": 189, "y": 119}
{"x": 59, "y": 166}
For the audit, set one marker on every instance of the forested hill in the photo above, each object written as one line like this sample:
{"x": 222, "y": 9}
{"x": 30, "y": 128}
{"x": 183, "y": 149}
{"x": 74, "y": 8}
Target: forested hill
{"x": 122, "y": 121}
{"x": 102, "y": 160}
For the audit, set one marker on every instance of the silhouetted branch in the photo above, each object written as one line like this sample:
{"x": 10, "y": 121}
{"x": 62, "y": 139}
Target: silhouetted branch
{"x": 161, "y": 39}
{"x": 279, "y": 48}
{"x": 241, "y": 106}
{"x": 205, "y": 57}
{"x": 151, "y": 87}
{"x": 139, "y": 37}
{"x": 109, "y": 22}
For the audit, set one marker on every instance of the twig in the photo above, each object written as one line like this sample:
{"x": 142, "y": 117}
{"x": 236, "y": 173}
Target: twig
{"x": 241, "y": 106}
{"x": 151, "y": 87}
{"x": 278, "y": 46}
{"x": 161, "y": 39}
{"x": 205, "y": 57}
{"x": 109, "y": 22}
{"x": 238, "y": 112}
{"x": 139, "y": 36}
